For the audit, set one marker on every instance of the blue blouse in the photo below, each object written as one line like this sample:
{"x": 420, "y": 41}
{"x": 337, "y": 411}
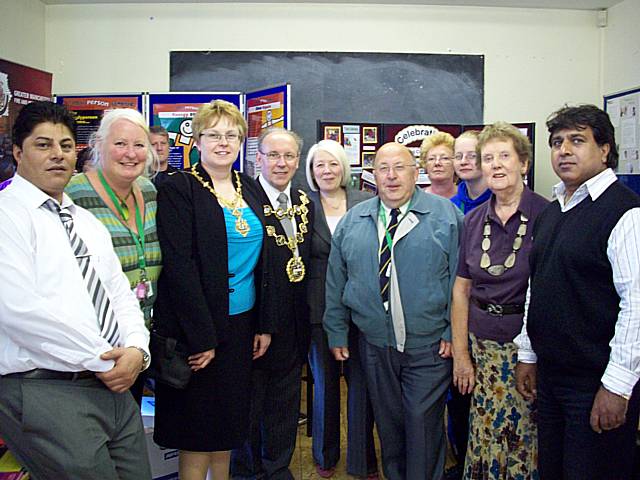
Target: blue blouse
{"x": 243, "y": 255}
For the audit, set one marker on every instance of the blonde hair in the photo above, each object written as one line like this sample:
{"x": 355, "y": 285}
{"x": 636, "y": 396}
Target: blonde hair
{"x": 334, "y": 149}
{"x": 107, "y": 122}
{"x": 210, "y": 114}
{"x": 435, "y": 140}
{"x": 505, "y": 131}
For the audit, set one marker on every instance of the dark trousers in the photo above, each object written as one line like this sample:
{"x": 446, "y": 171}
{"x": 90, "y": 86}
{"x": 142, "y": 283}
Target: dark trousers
{"x": 69, "y": 430}
{"x": 361, "y": 455}
{"x": 275, "y": 406}
{"x": 568, "y": 448}
{"x": 408, "y": 392}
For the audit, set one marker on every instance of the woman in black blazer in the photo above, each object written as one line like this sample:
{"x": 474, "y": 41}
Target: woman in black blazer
{"x": 328, "y": 174}
{"x": 211, "y": 295}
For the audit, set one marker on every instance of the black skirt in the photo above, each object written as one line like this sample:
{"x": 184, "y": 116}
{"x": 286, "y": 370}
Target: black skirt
{"x": 212, "y": 413}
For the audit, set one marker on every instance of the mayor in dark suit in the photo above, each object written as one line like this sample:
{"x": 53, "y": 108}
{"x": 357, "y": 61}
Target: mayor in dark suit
{"x": 328, "y": 174}
{"x": 275, "y": 389}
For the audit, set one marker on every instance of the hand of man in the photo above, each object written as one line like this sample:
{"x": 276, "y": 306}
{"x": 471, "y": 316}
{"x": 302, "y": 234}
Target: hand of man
{"x": 340, "y": 353}
{"x": 260, "y": 344}
{"x": 526, "y": 380}
{"x": 463, "y": 374}
{"x": 198, "y": 361}
{"x": 128, "y": 364}
{"x": 608, "y": 412}
{"x": 445, "y": 349}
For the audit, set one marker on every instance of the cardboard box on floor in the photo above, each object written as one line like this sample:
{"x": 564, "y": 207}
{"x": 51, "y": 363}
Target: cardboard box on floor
{"x": 164, "y": 461}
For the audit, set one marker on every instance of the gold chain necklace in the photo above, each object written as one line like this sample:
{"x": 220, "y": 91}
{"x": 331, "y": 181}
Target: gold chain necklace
{"x": 235, "y": 205}
{"x": 295, "y": 266}
{"x": 510, "y": 261}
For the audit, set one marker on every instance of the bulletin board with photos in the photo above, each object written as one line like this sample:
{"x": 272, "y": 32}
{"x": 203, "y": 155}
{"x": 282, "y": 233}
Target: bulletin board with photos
{"x": 362, "y": 140}
{"x": 624, "y": 111}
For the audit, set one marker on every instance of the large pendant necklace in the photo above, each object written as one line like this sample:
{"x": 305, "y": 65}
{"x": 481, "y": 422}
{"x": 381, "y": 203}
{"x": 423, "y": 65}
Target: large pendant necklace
{"x": 510, "y": 261}
{"x": 235, "y": 205}
{"x": 295, "y": 266}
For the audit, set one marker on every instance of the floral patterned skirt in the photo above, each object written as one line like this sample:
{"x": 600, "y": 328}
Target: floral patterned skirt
{"x": 503, "y": 440}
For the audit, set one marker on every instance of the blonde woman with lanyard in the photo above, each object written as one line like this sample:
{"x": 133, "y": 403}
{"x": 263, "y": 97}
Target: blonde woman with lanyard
{"x": 118, "y": 193}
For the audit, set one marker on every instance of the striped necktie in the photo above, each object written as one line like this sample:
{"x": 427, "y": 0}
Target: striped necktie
{"x": 286, "y": 223}
{"x": 385, "y": 256}
{"x": 106, "y": 318}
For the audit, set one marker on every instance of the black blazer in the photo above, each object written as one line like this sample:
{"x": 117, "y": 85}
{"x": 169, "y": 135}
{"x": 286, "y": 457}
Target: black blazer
{"x": 320, "y": 248}
{"x": 193, "y": 289}
{"x": 291, "y": 336}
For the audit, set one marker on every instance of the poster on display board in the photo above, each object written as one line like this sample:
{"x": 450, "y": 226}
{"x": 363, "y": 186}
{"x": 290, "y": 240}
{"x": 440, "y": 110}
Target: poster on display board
{"x": 268, "y": 107}
{"x": 624, "y": 111}
{"x": 175, "y": 112}
{"x": 19, "y": 85}
{"x": 89, "y": 110}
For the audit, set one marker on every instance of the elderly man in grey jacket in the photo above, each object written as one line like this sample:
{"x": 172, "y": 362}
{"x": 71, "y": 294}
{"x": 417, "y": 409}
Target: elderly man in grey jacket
{"x": 391, "y": 269}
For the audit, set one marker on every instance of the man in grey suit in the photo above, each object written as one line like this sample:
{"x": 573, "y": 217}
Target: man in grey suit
{"x": 391, "y": 269}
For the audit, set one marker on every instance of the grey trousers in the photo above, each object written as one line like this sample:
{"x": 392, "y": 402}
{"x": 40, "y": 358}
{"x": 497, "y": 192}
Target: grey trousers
{"x": 408, "y": 391}
{"x": 64, "y": 429}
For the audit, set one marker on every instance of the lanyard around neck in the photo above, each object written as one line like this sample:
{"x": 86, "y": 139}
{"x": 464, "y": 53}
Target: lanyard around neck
{"x": 138, "y": 238}
{"x": 383, "y": 218}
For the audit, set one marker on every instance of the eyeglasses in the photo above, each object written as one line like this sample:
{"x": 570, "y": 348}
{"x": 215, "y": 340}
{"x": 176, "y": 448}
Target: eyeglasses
{"x": 215, "y": 137}
{"x": 471, "y": 156}
{"x": 275, "y": 156}
{"x": 442, "y": 158}
{"x": 399, "y": 169}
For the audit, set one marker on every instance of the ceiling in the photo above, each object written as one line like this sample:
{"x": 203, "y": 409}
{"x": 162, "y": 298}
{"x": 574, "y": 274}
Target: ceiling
{"x": 550, "y": 4}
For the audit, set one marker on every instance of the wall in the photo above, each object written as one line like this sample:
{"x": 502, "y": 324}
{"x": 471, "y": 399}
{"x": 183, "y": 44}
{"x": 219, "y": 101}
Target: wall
{"x": 535, "y": 60}
{"x": 23, "y": 32}
{"x": 621, "y": 52}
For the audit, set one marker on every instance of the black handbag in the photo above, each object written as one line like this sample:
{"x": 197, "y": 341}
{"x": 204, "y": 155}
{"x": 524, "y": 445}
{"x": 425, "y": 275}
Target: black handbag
{"x": 169, "y": 363}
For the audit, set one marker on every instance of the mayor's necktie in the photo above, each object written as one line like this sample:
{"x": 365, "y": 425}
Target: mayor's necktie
{"x": 286, "y": 223}
{"x": 106, "y": 318}
{"x": 385, "y": 255}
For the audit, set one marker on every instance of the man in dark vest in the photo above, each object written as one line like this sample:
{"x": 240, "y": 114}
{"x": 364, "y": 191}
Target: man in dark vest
{"x": 579, "y": 350}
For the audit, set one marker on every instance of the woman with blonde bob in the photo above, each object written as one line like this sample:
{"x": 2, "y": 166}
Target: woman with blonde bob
{"x": 436, "y": 157}
{"x": 211, "y": 296}
{"x": 118, "y": 192}
{"x": 328, "y": 175}
{"x": 487, "y": 310}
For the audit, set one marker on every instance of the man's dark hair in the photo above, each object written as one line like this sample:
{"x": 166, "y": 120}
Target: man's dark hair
{"x": 581, "y": 117}
{"x": 158, "y": 130}
{"x": 36, "y": 113}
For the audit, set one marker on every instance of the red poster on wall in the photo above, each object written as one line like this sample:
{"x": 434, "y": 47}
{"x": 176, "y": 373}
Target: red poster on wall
{"x": 19, "y": 85}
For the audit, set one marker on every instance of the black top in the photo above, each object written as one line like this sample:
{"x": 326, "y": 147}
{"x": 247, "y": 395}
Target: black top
{"x": 574, "y": 305}
{"x": 161, "y": 177}
{"x": 193, "y": 296}
{"x": 291, "y": 336}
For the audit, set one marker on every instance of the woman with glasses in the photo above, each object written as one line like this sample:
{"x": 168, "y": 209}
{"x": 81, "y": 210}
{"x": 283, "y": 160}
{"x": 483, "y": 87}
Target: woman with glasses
{"x": 118, "y": 192}
{"x": 436, "y": 157}
{"x": 211, "y": 296}
{"x": 328, "y": 175}
{"x": 487, "y": 310}
{"x": 472, "y": 187}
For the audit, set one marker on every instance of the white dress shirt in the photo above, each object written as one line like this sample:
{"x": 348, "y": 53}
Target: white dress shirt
{"x": 47, "y": 319}
{"x": 623, "y": 251}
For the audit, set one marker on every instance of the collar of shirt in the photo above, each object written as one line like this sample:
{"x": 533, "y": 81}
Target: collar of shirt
{"x": 524, "y": 207}
{"x": 273, "y": 192}
{"x": 34, "y": 197}
{"x": 594, "y": 187}
{"x": 387, "y": 211}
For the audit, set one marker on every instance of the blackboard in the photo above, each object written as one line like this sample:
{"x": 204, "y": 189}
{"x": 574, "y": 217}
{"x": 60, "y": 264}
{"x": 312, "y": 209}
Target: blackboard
{"x": 359, "y": 87}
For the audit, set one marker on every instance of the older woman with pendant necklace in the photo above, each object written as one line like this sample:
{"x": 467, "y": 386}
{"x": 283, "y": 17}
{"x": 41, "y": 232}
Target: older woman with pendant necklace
{"x": 211, "y": 296}
{"x": 118, "y": 192}
{"x": 488, "y": 307}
